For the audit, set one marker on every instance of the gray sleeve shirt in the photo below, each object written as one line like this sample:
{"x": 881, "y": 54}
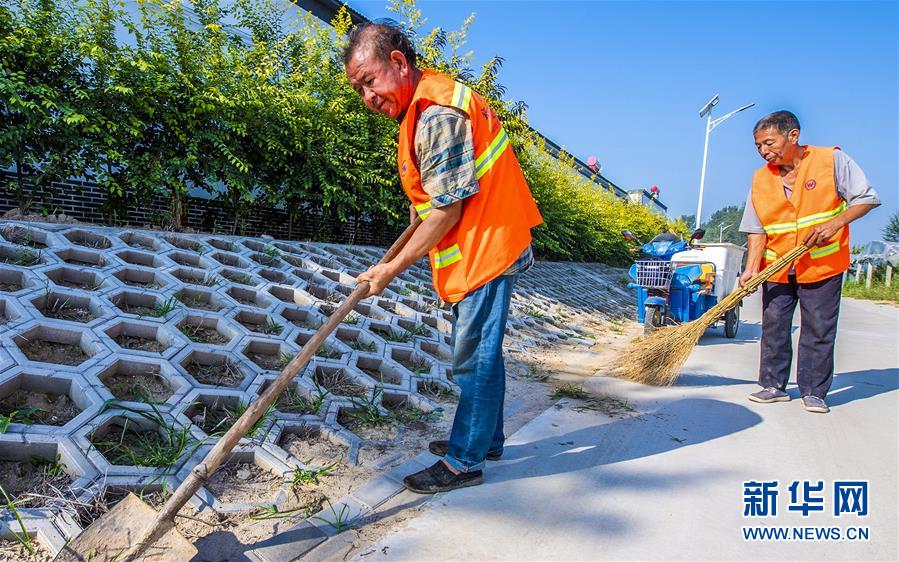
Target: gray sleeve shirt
{"x": 852, "y": 186}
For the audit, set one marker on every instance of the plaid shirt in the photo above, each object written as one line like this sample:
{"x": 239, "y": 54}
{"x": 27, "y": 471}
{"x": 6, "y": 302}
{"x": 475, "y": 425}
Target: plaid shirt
{"x": 444, "y": 147}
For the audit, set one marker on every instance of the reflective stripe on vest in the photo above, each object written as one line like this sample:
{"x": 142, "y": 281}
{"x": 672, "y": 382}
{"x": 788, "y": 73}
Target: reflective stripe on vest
{"x": 770, "y": 255}
{"x": 461, "y": 96}
{"x": 447, "y": 256}
{"x": 423, "y": 210}
{"x": 806, "y": 221}
{"x": 494, "y": 150}
{"x": 817, "y": 253}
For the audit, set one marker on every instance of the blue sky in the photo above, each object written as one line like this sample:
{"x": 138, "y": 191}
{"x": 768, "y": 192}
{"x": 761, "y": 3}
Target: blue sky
{"x": 624, "y": 81}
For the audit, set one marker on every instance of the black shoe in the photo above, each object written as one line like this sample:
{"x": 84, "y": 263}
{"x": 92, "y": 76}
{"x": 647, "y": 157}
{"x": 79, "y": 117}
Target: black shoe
{"x": 439, "y": 478}
{"x": 439, "y": 448}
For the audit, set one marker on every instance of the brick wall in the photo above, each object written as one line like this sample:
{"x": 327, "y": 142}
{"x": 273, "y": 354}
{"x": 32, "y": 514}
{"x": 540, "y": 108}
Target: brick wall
{"x": 85, "y": 202}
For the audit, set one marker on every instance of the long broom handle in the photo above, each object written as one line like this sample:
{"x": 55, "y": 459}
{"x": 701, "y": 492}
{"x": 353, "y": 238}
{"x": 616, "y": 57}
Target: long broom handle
{"x": 165, "y": 519}
{"x": 755, "y": 282}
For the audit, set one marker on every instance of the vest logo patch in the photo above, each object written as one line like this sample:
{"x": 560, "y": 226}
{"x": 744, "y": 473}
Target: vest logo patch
{"x": 403, "y": 169}
{"x": 810, "y": 184}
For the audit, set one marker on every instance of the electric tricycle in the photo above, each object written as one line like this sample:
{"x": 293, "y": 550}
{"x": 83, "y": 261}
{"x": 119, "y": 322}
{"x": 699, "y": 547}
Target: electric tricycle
{"x": 678, "y": 281}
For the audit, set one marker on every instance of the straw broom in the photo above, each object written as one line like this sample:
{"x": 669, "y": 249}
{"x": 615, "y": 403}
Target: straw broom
{"x": 657, "y": 358}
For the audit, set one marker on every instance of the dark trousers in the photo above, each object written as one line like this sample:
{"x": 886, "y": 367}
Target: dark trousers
{"x": 819, "y": 306}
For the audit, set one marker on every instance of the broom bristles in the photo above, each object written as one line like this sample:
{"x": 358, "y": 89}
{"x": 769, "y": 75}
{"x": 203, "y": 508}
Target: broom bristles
{"x": 656, "y": 358}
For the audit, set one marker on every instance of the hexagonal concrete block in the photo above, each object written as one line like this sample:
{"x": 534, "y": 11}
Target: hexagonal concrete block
{"x": 331, "y": 350}
{"x": 276, "y": 276}
{"x": 271, "y": 258}
{"x": 58, "y": 402}
{"x": 239, "y": 277}
{"x": 139, "y": 381}
{"x": 291, "y": 295}
{"x": 136, "y": 278}
{"x": 299, "y": 398}
{"x": 71, "y": 277}
{"x": 206, "y": 367}
{"x": 12, "y": 313}
{"x": 25, "y": 257}
{"x": 250, "y": 478}
{"x": 203, "y": 299}
{"x": 141, "y": 241}
{"x": 31, "y": 453}
{"x": 382, "y": 371}
{"x": 82, "y": 257}
{"x": 195, "y": 276}
{"x": 260, "y": 322}
{"x": 70, "y": 306}
{"x": 222, "y": 244}
{"x": 142, "y": 338}
{"x": 22, "y": 235}
{"x": 246, "y": 296}
{"x": 189, "y": 259}
{"x": 16, "y": 281}
{"x": 231, "y": 260}
{"x": 208, "y": 329}
{"x": 301, "y": 318}
{"x": 133, "y": 443}
{"x": 214, "y": 410}
{"x": 88, "y": 239}
{"x": 143, "y": 304}
{"x": 56, "y": 345}
{"x": 186, "y": 243}
{"x": 359, "y": 339}
{"x": 145, "y": 259}
{"x": 267, "y": 355}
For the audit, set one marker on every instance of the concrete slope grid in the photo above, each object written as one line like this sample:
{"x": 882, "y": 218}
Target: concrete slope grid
{"x": 209, "y": 320}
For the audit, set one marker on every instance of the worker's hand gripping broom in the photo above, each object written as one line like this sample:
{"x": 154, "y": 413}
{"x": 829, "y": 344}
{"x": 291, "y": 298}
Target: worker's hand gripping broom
{"x": 657, "y": 357}
{"x": 130, "y": 531}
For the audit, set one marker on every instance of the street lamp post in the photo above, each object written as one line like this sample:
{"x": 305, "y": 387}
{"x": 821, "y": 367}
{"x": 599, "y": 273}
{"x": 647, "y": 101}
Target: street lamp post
{"x": 706, "y": 111}
{"x": 721, "y": 229}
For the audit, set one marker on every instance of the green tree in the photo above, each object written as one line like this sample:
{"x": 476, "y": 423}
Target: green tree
{"x": 891, "y": 230}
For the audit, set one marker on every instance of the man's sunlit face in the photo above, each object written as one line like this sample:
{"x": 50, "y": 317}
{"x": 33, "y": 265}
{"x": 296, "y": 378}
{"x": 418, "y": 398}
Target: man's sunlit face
{"x": 383, "y": 85}
{"x": 775, "y": 147}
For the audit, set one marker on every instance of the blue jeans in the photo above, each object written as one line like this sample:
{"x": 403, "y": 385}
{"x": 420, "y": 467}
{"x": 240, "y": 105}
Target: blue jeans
{"x": 479, "y": 371}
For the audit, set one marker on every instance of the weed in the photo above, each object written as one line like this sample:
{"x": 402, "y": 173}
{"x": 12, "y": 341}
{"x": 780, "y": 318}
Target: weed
{"x": 270, "y": 327}
{"x": 340, "y": 518}
{"x": 24, "y": 538}
{"x": 264, "y": 512}
{"x": 366, "y": 411}
{"x": 534, "y": 312}
{"x": 28, "y": 258}
{"x": 328, "y": 352}
{"x": 272, "y": 252}
{"x": 569, "y": 391}
{"x": 160, "y": 447}
{"x": 351, "y": 318}
{"x": 536, "y": 374}
{"x": 162, "y": 310}
{"x": 419, "y": 329}
{"x": 232, "y": 415}
{"x": 405, "y": 291}
{"x": 51, "y": 468}
{"x": 301, "y": 476}
{"x": 389, "y": 334}
{"x": 17, "y": 416}
{"x": 359, "y": 346}
{"x": 292, "y": 402}
{"x": 409, "y": 415}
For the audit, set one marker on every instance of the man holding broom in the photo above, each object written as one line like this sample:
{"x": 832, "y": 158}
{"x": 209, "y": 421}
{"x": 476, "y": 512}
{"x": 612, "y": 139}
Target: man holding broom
{"x": 458, "y": 169}
{"x": 802, "y": 195}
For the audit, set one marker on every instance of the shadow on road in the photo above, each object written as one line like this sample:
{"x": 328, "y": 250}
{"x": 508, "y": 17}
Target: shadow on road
{"x": 679, "y": 424}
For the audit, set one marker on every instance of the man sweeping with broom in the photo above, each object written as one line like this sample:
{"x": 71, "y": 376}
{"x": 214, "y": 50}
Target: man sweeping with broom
{"x": 802, "y": 195}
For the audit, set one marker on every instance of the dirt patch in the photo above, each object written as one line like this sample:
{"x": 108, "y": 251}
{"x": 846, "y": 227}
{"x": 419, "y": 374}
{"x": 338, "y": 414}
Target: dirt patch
{"x": 10, "y": 287}
{"x": 374, "y": 429}
{"x": 292, "y": 402}
{"x": 140, "y": 344}
{"x": 268, "y": 361}
{"x": 61, "y": 309}
{"x": 35, "y": 482}
{"x": 137, "y": 309}
{"x": 244, "y": 483}
{"x": 224, "y": 374}
{"x": 138, "y": 387}
{"x": 16, "y": 552}
{"x": 53, "y": 352}
{"x": 63, "y": 282}
{"x": 271, "y": 329}
{"x": 338, "y": 382}
{"x": 202, "y": 334}
{"x": 199, "y": 302}
{"x": 380, "y": 376}
{"x": 41, "y": 408}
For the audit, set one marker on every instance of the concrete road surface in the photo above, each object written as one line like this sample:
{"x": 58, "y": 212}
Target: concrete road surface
{"x": 674, "y": 479}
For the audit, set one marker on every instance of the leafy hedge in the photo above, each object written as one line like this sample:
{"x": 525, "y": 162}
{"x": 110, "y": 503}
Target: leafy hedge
{"x": 253, "y": 110}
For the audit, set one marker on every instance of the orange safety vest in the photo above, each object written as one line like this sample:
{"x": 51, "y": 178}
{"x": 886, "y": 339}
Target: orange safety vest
{"x": 814, "y": 200}
{"x": 494, "y": 228}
